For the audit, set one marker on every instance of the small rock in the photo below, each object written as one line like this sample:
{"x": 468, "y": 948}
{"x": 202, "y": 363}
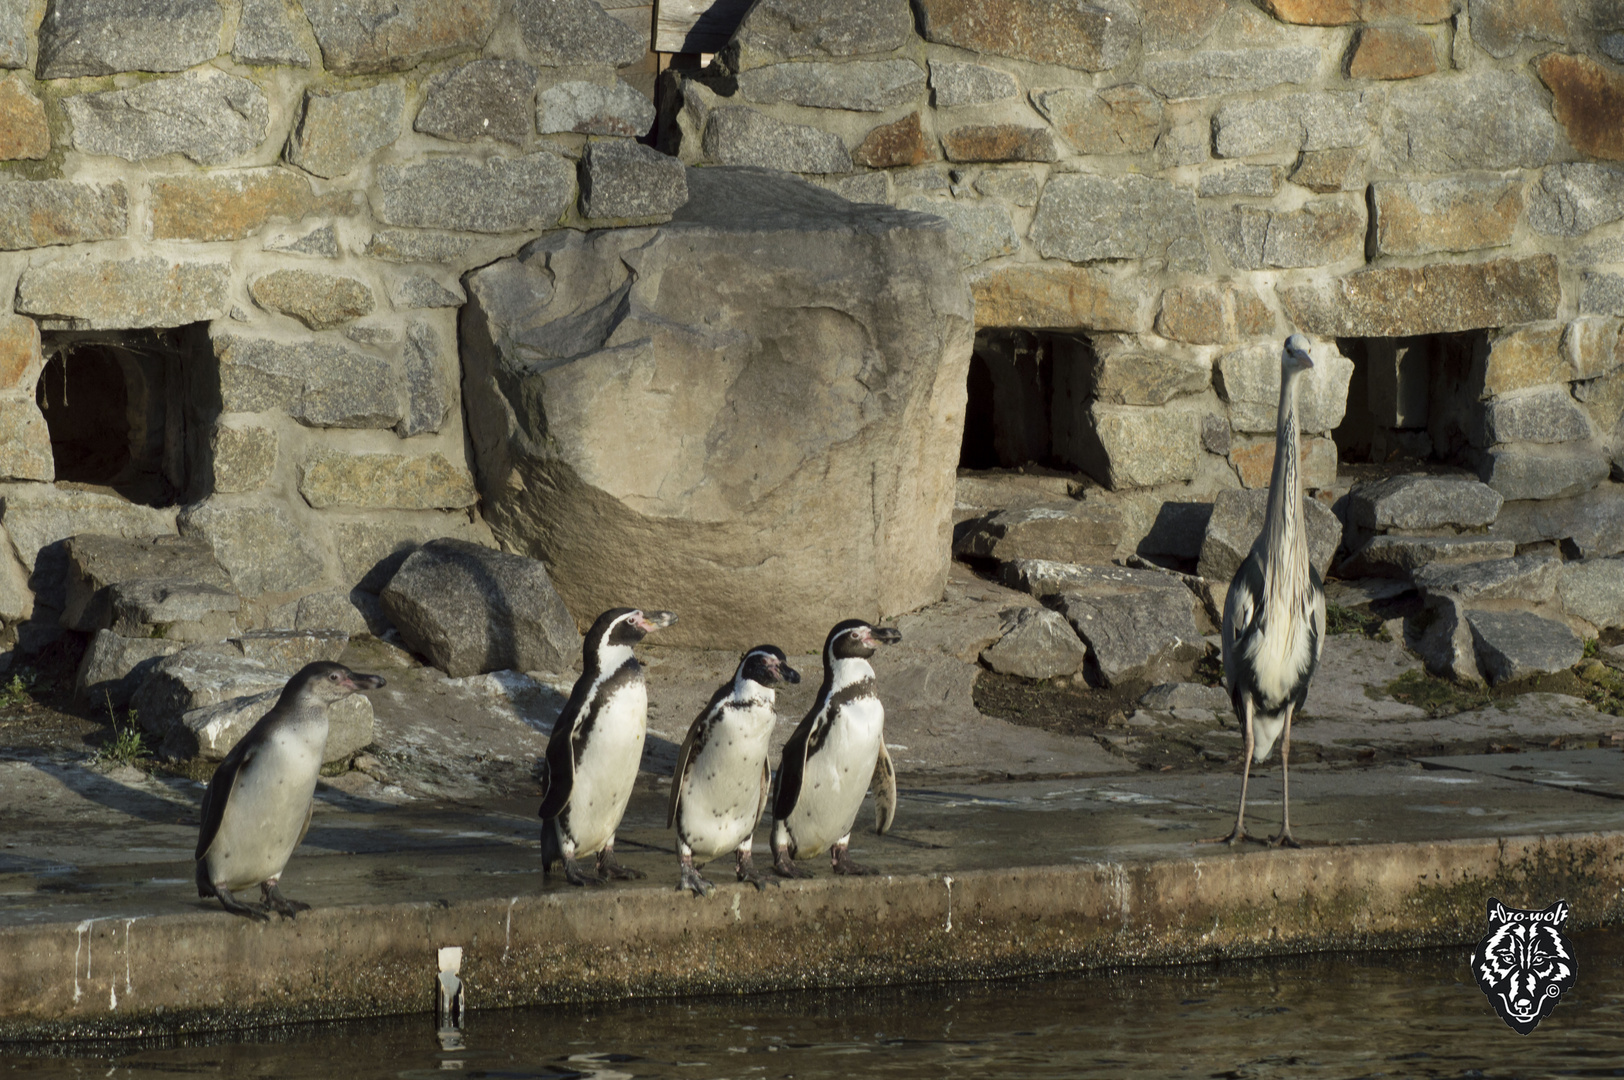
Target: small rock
{"x": 1525, "y": 577}
{"x": 1236, "y": 522}
{"x": 1131, "y": 635}
{"x": 1593, "y": 590}
{"x": 1075, "y": 532}
{"x": 114, "y": 667}
{"x": 174, "y": 608}
{"x": 1405, "y": 503}
{"x": 97, "y": 562}
{"x": 194, "y": 677}
{"x": 1186, "y": 695}
{"x": 1446, "y": 646}
{"x": 490, "y": 98}
{"x": 1393, "y": 555}
{"x": 588, "y": 108}
{"x": 1515, "y": 644}
{"x": 1037, "y": 644}
{"x": 289, "y": 650}
{"x": 211, "y": 731}
{"x": 208, "y": 115}
{"x": 624, "y": 179}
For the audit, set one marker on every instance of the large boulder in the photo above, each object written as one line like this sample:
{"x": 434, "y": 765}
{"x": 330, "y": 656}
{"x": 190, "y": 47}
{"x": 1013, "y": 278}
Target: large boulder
{"x": 749, "y": 415}
{"x": 1237, "y": 520}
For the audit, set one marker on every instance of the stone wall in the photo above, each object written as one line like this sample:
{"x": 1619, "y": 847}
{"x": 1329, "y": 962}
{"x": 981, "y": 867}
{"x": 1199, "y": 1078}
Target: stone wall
{"x": 1184, "y": 182}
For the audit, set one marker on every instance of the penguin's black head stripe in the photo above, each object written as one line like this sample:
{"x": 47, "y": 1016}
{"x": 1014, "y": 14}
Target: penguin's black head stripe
{"x": 767, "y": 665}
{"x": 856, "y": 639}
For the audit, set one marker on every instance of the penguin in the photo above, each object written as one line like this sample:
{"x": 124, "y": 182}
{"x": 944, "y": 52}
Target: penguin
{"x": 833, "y": 755}
{"x": 595, "y": 747}
{"x": 258, "y": 803}
{"x": 719, "y": 787}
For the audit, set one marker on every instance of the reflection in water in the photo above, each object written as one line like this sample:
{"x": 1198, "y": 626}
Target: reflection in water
{"x": 1386, "y": 1014}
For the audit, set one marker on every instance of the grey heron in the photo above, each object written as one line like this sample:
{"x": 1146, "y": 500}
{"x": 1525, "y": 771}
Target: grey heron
{"x": 1274, "y": 616}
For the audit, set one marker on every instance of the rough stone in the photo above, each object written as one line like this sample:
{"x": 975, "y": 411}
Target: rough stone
{"x": 1236, "y": 522}
{"x": 623, "y": 179}
{"x": 741, "y": 136}
{"x": 1499, "y": 27}
{"x": 25, "y": 441}
{"x": 1217, "y": 72}
{"x": 899, "y": 143}
{"x": 242, "y": 455}
{"x": 1593, "y": 590}
{"x": 88, "y": 293}
{"x": 14, "y": 37}
{"x": 1185, "y": 695}
{"x": 355, "y": 613}
{"x": 413, "y": 246}
{"x": 318, "y": 382}
{"x": 469, "y": 610}
{"x": 232, "y": 205}
{"x": 1523, "y": 357}
{"x": 1062, "y": 297}
{"x": 1253, "y": 462}
{"x": 1602, "y": 294}
{"x": 320, "y": 301}
{"x": 41, "y": 213}
{"x": 265, "y": 36}
{"x": 1543, "y": 472}
{"x": 485, "y": 98}
{"x": 259, "y": 546}
{"x": 1089, "y": 36}
{"x": 172, "y": 608}
{"x": 1344, "y": 12}
{"x": 207, "y": 115}
{"x": 846, "y": 298}
{"x": 1484, "y": 120}
{"x": 1391, "y": 52}
{"x": 1446, "y": 646}
{"x": 105, "y": 37}
{"x": 1073, "y": 532}
{"x": 954, "y": 84}
{"x": 1249, "y": 379}
{"x": 1546, "y": 415}
{"x": 1292, "y": 124}
{"x": 1438, "y": 299}
{"x": 868, "y": 187}
{"x": 21, "y": 360}
{"x": 38, "y": 517}
{"x": 1517, "y": 644}
{"x": 114, "y": 667}
{"x": 358, "y": 37}
{"x": 1123, "y": 119}
{"x": 195, "y": 677}
{"x": 428, "y": 398}
{"x": 1454, "y": 214}
{"x": 321, "y": 242}
{"x": 1591, "y": 523}
{"x": 983, "y": 229}
{"x": 1187, "y": 140}
{"x": 96, "y": 563}
{"x": 1044, "y": 578}
{"x": 1037, "y": 644}
{"x": 385, "y": 481}
{"x": 1325, "y": 171}
{"x": 448, "y": 191}
{"x": 1575, "y": 197}
{"x": 1082, "y": 218}
{"x": 289, "y": 650}
{"x": 1216, "y": 437}
{"x": 1126, "y": 446}
{"x": 339, "y": 129}
{"x": 589, "y": 108}
{"x": 1194, "y": 314}
{"x": 211, "y": 731}
{"x": 1407, "y": 503}
{"x": 1123, "y": 373}
{"x": 371, "y": 547}
{"x": 773, "y": 31}
{"x": 1260, "y": 181}
{"x": 1530, "y": 578}
{"x": 1588, "y": 100}
{"x": 999, "y": 142}
{"x": 1136, "y": 634}
{"x": 24, "y": 134}
{"x": 1319, "y": 233}
{"x": 426, "y": 291}
{"x": 1592, "y": 346}
{"x": 861, "y": 86}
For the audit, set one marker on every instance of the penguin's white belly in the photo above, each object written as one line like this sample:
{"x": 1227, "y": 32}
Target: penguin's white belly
{"x": 606, "y": 769}
{"x": 265, "y": 812}
{"x": 837, "y": 777}
{"x": 721, "y": 795}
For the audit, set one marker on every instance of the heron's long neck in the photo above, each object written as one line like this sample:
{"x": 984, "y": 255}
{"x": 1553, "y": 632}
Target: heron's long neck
{"x": 1285, "y": 537}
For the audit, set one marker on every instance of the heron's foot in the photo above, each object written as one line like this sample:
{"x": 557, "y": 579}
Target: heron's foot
{"x": 1284, "y": 839}
{"x": 284, "y": 907}
{"x": 746, "y": 871}
{"x": 843, "y": 865}
{"x": 692, "y": 881}
{"x": 611, "y": 870}
{"x": 784, "y": 866}
{"x": 576, "y": 876}
{"x": 257, "y": 912}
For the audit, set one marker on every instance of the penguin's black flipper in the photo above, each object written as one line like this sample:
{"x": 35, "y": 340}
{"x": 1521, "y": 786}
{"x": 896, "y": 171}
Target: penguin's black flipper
{"x": 559, "y": 781}
{"x": 218, "y": 794}
{"x": 885, "y": 790}
{"x": 684, "y": 758}
{"x": 766, "y": 789}
{"x": 792, "y": 768}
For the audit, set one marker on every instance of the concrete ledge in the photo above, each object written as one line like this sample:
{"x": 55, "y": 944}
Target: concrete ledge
{"x": 207, "y": 971}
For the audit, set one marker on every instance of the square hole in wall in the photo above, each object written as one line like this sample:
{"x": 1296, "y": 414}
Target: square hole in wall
{"x": 1411, "y": 400}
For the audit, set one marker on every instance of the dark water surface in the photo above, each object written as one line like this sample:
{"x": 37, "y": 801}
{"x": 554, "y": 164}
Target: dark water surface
{"x": 1386, "y": 1014}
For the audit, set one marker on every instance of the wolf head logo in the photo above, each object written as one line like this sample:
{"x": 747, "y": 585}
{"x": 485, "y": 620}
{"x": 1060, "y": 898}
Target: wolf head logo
{"x": 1524, "y": 965}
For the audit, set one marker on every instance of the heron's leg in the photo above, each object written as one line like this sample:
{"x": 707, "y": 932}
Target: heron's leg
{"x": 1284, "y": 838}
{"x": 1239, "y": 832}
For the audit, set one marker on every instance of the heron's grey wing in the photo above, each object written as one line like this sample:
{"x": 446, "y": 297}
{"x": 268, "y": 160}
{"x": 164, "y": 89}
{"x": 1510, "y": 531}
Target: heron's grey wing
{"x": 885, "y": 791}
{"x": 1318, "y": 613}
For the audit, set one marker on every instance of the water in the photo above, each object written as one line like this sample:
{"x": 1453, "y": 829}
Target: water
{"x": 1394, "y": 1014}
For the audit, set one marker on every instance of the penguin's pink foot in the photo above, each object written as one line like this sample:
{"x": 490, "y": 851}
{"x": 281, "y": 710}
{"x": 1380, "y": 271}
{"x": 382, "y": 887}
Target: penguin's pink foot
{"x": 692, "y": 881}
{"x": 576, "y": 876}
{"x": 784, "y": 866}
{"x": 746, "y": 871}
{"x": 843, "y": 865}
{"x": 611, "y": 870}
{"x": 248, "y": 911}
{"x": 285, "y": 907}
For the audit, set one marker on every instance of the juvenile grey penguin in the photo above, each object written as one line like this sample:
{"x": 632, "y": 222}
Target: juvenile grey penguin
{"x": 595, "y": 747}
{"x": 257, "y": 806}
{"x": 833, "y": 755}
{"x": 720, "y": 784}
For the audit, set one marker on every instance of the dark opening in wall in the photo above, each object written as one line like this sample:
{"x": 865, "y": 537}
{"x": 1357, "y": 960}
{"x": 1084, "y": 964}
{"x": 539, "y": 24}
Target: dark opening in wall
{"x": 115, "y": 405}
{"x": 1411, "y": 399}
{"x": 1008, "y": 419}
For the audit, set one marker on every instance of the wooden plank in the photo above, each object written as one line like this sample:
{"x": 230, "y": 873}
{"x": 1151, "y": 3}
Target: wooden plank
{"x": 696, "y": 26}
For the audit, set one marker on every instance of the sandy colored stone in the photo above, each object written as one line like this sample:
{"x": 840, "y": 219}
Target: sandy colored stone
{"x": 1522, "y": 357}
{"x": 337, "y": 130}
{"x": 1210, "y": 313}
{"x": 1500, "y": 26}
{"x": 20, "y": 357}
{"x": 1141, "y": 447}
{"x": 901, "y": 142}
{"x": 1254, "y": 462}
{"x": 358, "y": 37}
{"x": 1345, "y": 12}
{"x": 1117, "y": 120}
{"x": 25, "y": 442}
{"x": 237, "y": 203}
{"x": 320, "y": 301}
{"x": 90, "y": 293}
{"x": 1455, "y": 214}
{"x": 1391, "y": 52}
{"x": 385, "y": 481}
{"x": 1061, "y": 296}
{"x": 1588, "y": 100}
{"x": 999, "y": 142}
{"x": 1339, "y": 168}
{"x": 1320, "y": 232}
{"x": 1438, "y": 299}
{"x": 242, "y": 455}
{"x": 23, "y": 131}
{"x": 1249, "y": 379}
{"x": 43, "y": 213}
{"x": 1122, "y": 372}
{"x": 1092, "y": 37}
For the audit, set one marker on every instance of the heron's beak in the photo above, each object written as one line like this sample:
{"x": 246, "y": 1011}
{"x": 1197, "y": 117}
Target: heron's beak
{"x": 650, "y": 621}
